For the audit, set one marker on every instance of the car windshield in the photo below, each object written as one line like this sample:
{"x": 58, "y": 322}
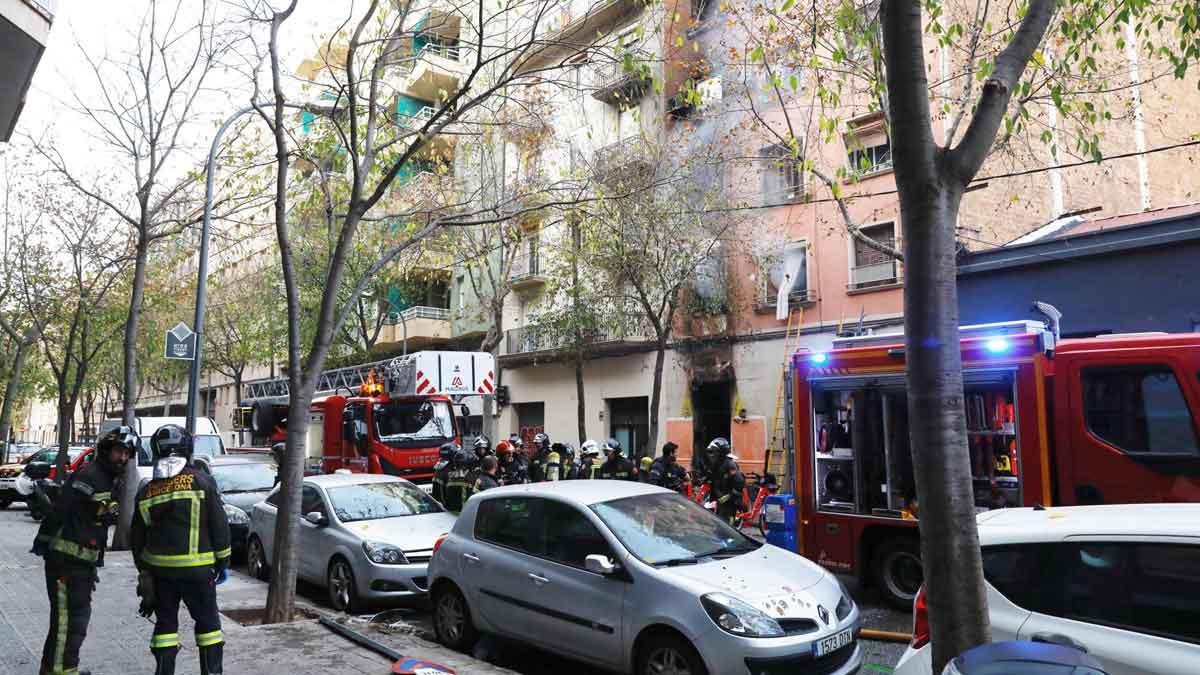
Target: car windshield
{"x": 403, "y": 422}
{"x": 663, "y": 529}
{"x": 250, "y": 477}
{"x": 372, "y": 501}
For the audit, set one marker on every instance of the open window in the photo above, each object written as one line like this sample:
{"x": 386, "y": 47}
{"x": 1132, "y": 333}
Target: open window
{"x": 863, "y": 463}
{"x": 775, "y": 271}
{"x": 868, "y": 148}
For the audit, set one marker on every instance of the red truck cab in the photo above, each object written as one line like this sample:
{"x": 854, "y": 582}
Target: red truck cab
{"x": 1111, "y": 419}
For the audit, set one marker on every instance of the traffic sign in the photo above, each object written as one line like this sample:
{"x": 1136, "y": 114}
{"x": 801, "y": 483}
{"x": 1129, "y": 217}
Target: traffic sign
{"x": 181, "y": 343}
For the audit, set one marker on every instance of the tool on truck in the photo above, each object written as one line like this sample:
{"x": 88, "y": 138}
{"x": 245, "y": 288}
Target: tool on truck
{"x": 393, "y": 420}
{"x": 1109, "y": 419}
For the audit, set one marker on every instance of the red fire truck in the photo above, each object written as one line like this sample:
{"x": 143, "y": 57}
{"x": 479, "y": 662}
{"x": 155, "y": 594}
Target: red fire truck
{"x": 1110, "y": 419}
{"x": 394, "y": 421}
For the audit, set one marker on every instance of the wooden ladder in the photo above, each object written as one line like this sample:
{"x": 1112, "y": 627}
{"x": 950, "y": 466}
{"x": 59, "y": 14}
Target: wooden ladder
{"x": 775, "y": 449}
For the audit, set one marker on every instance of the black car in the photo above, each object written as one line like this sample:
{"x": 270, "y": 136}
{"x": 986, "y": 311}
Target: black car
{"x": 244, "y": 480}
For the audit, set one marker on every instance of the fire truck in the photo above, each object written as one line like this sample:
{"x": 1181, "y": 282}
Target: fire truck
{"x": 388, "y": 417}
{"x": 1109, "y": 419}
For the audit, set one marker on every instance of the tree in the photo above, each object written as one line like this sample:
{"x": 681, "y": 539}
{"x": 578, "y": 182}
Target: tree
{"x": 1010, "y": 77}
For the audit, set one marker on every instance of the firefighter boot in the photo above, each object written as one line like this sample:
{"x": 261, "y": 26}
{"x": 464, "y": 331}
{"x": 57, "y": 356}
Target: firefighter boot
{"x": 210, "y": 659}
{"x": 164, "y": 660}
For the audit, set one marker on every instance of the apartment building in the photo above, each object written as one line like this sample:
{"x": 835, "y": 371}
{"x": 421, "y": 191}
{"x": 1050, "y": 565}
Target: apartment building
{"x": 24, "y": 30}
{"x": 722, "y": 374}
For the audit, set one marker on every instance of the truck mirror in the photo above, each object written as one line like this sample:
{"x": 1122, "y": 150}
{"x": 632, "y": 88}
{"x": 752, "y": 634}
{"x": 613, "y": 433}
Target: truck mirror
{"x": 465, "y": 411}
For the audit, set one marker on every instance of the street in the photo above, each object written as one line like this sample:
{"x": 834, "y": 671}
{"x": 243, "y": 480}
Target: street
{"x": 23, "y": 617}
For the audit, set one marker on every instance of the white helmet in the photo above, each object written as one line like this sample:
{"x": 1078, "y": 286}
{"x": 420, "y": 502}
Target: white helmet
{"x": 589, "y": 448}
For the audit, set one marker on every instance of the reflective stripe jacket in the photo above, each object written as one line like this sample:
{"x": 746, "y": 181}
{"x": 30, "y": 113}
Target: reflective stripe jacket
{"x": 617, "y": 468}
{"x": 75, "y": 533}
{"x": 179, "y": 526}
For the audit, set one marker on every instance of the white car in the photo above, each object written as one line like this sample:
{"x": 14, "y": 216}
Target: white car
{"x": 1121, "y": 581}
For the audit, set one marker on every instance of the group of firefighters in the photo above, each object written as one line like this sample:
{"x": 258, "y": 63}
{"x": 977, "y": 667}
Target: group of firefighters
{"x": 180, "y": 542}
{"x": 461, "y": 473}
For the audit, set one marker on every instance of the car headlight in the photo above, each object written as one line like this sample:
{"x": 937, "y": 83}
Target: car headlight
{"x": 738, "y": 618}
{"x": 236, "y": 516}
{"x": 384, "y": 554}
{"x": 846, "y": 605}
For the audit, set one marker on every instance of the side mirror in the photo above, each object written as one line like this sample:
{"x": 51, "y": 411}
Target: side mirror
{"x": 316, "y": 518}
{"x": 464, "y": 411}
{"x": 599, "y": 564}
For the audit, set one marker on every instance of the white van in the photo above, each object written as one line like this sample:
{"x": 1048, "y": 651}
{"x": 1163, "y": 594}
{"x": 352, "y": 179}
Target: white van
{"x": 206, "y": 440}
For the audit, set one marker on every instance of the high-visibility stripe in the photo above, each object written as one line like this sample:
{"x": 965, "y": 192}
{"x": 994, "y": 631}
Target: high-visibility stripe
{"x": 60, "y": 645}
{"x": 224, "y": 553}
{"x": 194, "y": 529}
{"x": 209, "y": 639}
{"x": 164, "y": 640}
{"x": 145, "y": 504}
{"x": 56, "y": 543}
{"x": 187, "y": 560}
{"x": 102, "y": 496}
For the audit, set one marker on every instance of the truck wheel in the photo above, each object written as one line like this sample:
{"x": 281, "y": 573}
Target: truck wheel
{"x": 898, "y": 572}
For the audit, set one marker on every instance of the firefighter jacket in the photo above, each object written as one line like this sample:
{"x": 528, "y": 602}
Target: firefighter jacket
{"x": 728, "y": 483}
{"x": 514, "y": 471}
{"x": 617, "y": 467}
{"x": 544, "y": 467}
{"x": 75, "y": 532}
{"x": 669, "y": 475}
{"x": 179, "y": 526}
{"x": 485, "y": 481}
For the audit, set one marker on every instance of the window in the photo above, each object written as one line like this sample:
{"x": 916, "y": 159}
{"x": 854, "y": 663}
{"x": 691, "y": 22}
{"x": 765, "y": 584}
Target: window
{"x": 413, "y": 424}
{"x": 310, "y": 501}
{"x": 568, "y": 537}
{"x": 873, "y": 267}
{"x": 868, "y": 148}
{"x": 774, "y": 268}
{"x": 1145, "y": 587}
{"x": 1138, "y": 409}
{"x": 375, "y": 501}
{"x": 507, "y": 522}
{"x": 782, "y": 175}
{"x": 1024, "y": 574}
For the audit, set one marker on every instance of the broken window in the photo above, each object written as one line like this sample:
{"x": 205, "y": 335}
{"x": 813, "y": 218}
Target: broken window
{"x": 868, "y": 148}
{"x": 782, "y": 175}
{"x": 774, "y": 273}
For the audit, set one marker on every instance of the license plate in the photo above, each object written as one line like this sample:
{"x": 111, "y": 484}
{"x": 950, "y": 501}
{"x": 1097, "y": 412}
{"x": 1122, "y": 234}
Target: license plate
{"x": 832, "y": 643}
{"x": 427, "y": 487}
{"x": 8, "y": 483}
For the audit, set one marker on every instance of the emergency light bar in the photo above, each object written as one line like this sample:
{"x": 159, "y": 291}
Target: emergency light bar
{"x": 996, "y": 331}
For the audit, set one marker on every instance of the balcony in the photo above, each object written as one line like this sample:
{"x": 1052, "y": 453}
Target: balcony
{"x": 24, "y": 30}
{"x": 533, "y": 343}
{"x": 800, "y": 297}
{"x": 434, "y": 71}
{"x": 527, "y": 272}
{"x": 576, "y": 29}
{"x": 424, "y": 327}
{"x": 416, "y": 120}
{"x": 617, "y": 86}
{"x": 434, "y": 17}
{"x": 621, "y": 158}
{"x": 879, "y": 275}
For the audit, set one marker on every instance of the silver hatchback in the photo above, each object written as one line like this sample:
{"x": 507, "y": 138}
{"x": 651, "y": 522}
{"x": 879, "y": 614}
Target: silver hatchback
{"x": 361, "y": 536}
{"x": 636, "y": 579}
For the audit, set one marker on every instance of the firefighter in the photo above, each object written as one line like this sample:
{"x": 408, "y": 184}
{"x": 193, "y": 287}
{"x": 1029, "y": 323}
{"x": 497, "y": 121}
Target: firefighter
{"x": 71, "y": 540}
{"x": 643, "y": 474}
{"x": 666, "y": 472}
{"x": 589, "y": 460}
{"x": 483, "y": 447}
{"x": 616, "y": 467}
{"x": 727, "y": 479}
{"x": 180, "y": 541}
{"x": 545, "y": 463}
{"x": 487, "y": 479}
{"x": 457, "y": 488}
{"x": 441, "y": 471}
{"x": 568, "y": 467}
{"x": 514, "y": 469}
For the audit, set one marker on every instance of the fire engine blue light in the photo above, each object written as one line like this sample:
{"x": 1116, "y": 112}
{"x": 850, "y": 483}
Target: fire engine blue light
{"x": 820, "y": 358}
{"x": 997, "y": 345}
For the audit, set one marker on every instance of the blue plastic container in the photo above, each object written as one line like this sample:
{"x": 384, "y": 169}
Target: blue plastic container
{"x": 782, "y": 522}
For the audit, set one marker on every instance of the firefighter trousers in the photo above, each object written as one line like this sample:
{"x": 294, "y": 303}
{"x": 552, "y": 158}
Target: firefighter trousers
{"x": 200, "y": 597}
{"x": 70, "y": 593}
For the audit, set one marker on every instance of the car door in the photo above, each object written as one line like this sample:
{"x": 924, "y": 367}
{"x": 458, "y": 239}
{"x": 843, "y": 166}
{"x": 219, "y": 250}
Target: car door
{"x": 1015, "y": 578}
{"x": 315, "y": 545}
{"x": 497, "y": 568}
{"x": 1134, "y": 605}
{"x": 262, "y": 522}
{"x": 577, "y": 611}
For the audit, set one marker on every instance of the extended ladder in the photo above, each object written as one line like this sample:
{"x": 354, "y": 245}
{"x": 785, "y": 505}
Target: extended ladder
{"x": 778, "y": 445}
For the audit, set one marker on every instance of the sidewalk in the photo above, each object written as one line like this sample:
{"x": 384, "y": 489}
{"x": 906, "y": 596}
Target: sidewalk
{"x": 118, "y": 639}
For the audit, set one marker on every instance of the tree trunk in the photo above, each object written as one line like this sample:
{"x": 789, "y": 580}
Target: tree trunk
{"x": 581, "y": 404}
{"x": 660, "y": 357}
{"x": 129, "y": 484}
{"x": 930, "y": 194}
{"x": 10, "y": 391}
{"x": 64, "y": 437}
{"x": 281, "y": 596}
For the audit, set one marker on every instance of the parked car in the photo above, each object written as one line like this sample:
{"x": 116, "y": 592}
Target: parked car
{"x": 635, "y": 578}
{"x": 77, "y": 456}
{"x": 9, "y": 473}
{"x": 244, "y": 481}
{"x": 362, "y": 536}
{"x": 1121, "y": 581}
{"x": 206, "y": 441}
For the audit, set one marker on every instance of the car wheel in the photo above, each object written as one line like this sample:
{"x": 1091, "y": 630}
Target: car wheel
{"x": 898, "y": 571}
{"x": 669, "y": 655}
{"x": 343, "y": 594}
{"x": 452, "y": 619}
{"x": 256, "y": 560}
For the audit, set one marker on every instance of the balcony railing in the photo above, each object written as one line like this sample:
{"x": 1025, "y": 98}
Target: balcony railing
{"x": 797, "y": 297}
{"x": 629, "y": 152}
{"x": 615, "y": 85}
{"x": 869, "y": 276}
{"x": 632, "y": 328}
{"x": 419, "y": 118}
{"x": 451, "y": 52}
{"x": 419, "y": 312}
